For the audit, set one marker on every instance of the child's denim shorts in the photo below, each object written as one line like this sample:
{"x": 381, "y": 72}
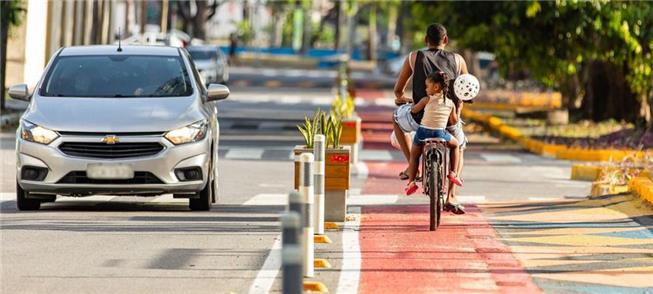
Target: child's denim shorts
{"x": 426, "y": 133}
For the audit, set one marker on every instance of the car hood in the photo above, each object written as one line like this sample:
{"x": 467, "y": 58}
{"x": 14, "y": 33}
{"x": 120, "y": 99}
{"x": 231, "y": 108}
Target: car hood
{"x": 113, "y": 114}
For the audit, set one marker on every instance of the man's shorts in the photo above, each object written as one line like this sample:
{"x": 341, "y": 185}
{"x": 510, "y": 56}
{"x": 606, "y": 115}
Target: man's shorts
{"x": 425, "y": 133}
{"x": 457, "y": 131}
{"x": 404, "y": 118}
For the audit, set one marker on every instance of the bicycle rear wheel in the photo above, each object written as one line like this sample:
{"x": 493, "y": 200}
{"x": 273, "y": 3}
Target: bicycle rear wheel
{"x": 435, "y": 205}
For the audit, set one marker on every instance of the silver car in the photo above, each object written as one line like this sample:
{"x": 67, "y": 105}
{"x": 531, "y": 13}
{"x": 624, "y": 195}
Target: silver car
{"x": 131, "y": 120}
{"x": 211, "y": 63}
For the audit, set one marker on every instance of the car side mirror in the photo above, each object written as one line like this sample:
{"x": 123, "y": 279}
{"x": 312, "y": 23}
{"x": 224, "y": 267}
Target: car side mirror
{"x": 217, "y": 92}
{"x": 19, "y": 92}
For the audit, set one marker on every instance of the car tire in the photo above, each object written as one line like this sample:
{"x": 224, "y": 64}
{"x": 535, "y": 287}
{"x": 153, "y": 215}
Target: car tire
{"x": 24, "y": 203}
{"x": 205, "y": 197}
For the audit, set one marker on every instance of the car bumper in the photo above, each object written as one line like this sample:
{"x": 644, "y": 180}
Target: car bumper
{"x": 161, "y": 165}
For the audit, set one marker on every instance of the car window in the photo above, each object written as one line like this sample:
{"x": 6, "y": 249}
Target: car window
{"x": 196, "y": 74}
{"x": 117, "y": 76}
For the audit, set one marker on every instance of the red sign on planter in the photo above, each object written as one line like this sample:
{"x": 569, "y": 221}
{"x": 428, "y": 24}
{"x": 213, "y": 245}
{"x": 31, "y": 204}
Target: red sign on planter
{"x": 339, "y": 158}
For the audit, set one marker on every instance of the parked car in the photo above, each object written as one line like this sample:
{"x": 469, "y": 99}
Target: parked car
{"x": 134, "y": 120}
{"x": 211, "y": 63}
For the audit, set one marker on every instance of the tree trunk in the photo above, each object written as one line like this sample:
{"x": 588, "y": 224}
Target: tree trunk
{"x": 372, "y": 34}
{"x": 199, "y": 21}
{"x": 608, "y": 95}
{"x": 4, "y": 27}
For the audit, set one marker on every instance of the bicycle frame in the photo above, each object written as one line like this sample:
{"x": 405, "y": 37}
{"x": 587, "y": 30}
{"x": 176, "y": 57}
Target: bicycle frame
{"x": 435, "y": 164}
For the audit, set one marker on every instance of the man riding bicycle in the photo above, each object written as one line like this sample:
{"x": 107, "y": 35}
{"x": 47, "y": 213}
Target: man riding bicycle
{"x": 418, "y": 65}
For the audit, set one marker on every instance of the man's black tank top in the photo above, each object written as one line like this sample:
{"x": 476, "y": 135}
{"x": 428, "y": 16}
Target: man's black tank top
{"x": 426, "y": 62}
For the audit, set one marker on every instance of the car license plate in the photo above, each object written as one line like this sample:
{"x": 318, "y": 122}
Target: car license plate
{"x": 109, "y": 171}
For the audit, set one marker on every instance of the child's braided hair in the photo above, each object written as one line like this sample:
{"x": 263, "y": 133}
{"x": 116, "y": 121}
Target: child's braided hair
{"x": 441, "y": 78}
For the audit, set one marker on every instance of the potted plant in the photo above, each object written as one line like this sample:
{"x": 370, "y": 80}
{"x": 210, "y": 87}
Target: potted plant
{"x": 337, "y": 171}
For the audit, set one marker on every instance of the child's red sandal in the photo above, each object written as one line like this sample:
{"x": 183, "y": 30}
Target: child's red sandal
{"x": 452, "y": 177}
{"x": 411, "y": 189}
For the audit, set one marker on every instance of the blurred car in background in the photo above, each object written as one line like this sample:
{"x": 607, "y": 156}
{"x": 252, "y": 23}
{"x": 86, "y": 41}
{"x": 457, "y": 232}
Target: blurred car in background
{"x": 211, "y": 63}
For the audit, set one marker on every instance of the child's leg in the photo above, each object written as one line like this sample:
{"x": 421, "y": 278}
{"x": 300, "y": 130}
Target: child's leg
{"x": 451, "y": 196}
{"x": 455, "y": 153}
{"x": 415, "y": 153}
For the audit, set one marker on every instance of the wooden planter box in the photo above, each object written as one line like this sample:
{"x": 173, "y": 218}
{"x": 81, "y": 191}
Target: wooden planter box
{"x": 351, "y": 131}
{"x": 337, "y": 173}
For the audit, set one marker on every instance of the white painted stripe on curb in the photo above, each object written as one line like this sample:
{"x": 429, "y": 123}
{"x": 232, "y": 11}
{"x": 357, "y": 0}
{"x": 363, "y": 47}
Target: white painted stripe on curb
{"x": 250, "y": 153}
{"x": 268, "y": 199}
{"x": 370, "y": 199}
{"x": 270, "y": 270}
{"x": 351, "y": 254}
{"x": 493, "y": 157}
{"x": 470, "y": 199}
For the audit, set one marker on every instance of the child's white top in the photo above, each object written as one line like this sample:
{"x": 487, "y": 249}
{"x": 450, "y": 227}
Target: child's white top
{"x": 437, "y": 112}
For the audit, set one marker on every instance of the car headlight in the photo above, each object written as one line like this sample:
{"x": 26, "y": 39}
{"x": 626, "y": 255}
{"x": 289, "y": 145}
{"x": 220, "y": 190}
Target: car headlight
{"x": 38, "y": 134}
{"x": 190, "y": 133}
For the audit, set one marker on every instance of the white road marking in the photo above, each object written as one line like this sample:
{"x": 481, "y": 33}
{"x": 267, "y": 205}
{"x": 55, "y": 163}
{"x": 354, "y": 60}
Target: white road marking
{"x": 361, "y": 170}
{"x": 355, "y": 191}
{"x": 249, "y": 153}
{"x": 370, "y": 199}
{"x": 7, "y": 196}
{"x": 98, "y": 198}
{"x": 270, "y": 270}
{"x": 493, "y": 157}
{"x": 351, "y": 255}
{"x": 375, "y": 155}
{"x": 266, "y": 185}
{"x": 168, "y": 198}
{"x": 470, "y": 199}
{"x": 268, "y": 199}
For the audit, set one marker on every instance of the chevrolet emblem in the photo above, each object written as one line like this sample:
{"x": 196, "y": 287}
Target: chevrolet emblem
{"x": 110, "y": 139}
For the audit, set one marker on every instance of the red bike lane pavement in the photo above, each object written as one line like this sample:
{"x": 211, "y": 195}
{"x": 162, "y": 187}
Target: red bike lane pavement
{"x": 399, "y": 253}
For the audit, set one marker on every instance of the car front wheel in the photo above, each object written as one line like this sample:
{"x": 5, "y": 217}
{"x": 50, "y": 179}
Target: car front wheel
{"x": 24, "y": 203}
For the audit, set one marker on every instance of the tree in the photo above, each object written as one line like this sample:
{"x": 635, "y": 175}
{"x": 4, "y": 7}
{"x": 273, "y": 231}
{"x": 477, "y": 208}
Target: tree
{"x": 597, "y": 53}
{"x": 10, "y": 13}
{"x": 195, "y": 23}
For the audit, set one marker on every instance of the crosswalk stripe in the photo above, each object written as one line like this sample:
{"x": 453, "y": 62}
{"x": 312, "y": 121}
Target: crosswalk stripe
{"x": 376, "y": 155}
{"x": 470, "y": 199}
{"x": 267, "y": 199}
{"x": 493, "y": 157}
{"x": 371, "y": 199}
{"x": 249, "y": 153}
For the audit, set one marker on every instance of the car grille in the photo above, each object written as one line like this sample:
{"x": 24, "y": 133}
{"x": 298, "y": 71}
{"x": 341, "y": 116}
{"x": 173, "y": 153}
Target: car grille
{"x": 102, "y": 150}
{"x": 140, "y": 178}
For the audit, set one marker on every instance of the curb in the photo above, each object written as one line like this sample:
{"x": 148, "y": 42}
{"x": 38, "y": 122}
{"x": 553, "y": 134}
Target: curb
{"x": 584, "y": 172}
{"x": 643, "y": 188}
{"x": 550, "y": 150}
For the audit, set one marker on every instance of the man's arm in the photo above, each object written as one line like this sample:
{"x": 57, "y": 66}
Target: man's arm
{"x": 463, "y": 64}
{"x": 402, "y": 80}
{"x": 453, "y": 117}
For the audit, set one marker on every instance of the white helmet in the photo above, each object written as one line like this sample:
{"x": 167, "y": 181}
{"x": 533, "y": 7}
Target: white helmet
{"x": 466, "y": 87}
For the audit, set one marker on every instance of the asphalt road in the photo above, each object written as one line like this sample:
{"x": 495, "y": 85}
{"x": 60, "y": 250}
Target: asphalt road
{"x": 105, "y": 244}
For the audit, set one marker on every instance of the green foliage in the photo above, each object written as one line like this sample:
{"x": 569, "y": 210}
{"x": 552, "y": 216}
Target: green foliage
{"x": 320, "y": 124}
{"x": 552, "y": 40}
{"x": 343, "y": 108}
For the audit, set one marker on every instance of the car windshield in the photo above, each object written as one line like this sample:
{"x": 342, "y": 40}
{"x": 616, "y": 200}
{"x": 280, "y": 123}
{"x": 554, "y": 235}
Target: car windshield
{"x": 117, "y": 76}
{"x": 203, "y": 54}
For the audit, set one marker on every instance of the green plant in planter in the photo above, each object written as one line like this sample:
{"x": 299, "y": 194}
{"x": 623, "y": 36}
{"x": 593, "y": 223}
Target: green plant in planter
{"x": 320, "y": 124}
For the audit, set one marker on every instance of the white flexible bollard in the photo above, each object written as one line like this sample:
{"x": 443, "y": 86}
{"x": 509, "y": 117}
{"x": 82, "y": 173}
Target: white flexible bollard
{"x": 319, "y": 150}
{"x": 307, "y": 190}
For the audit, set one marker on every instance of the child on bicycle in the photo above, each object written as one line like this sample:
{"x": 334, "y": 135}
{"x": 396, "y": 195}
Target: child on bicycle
{"x": 439, "y": 110}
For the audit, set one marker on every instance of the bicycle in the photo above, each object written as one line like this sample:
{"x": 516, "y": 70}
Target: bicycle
{"x": 435, "y": 163}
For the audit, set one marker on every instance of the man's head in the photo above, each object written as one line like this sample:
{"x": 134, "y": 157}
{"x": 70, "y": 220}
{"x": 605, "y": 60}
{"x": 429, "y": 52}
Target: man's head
{"x": 436, "y": 35}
